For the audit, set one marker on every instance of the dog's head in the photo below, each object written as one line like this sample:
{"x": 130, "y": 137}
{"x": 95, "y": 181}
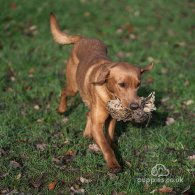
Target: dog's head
{"x": 123, "y": 80}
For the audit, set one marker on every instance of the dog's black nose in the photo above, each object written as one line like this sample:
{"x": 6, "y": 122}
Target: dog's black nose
{"x": 134, "y": 106}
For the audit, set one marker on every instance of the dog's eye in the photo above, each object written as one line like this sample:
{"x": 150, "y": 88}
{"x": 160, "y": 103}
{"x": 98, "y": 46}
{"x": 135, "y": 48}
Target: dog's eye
{"x": 123, "y": 85}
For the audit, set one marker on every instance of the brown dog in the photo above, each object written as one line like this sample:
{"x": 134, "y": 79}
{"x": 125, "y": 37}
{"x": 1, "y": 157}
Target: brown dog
{"x": 91, "y": 72}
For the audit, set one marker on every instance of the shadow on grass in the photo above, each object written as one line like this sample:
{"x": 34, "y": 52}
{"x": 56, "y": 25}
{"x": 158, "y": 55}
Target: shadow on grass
{"x": 73, "y": 103}
{"x": 158, "y": 119}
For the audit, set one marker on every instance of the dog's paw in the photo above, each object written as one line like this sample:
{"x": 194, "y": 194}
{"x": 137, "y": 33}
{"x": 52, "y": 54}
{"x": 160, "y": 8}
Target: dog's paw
{"x": 87, "y": 134}
{"x": 116, "y": 169}
{"x": 61, "y": 110}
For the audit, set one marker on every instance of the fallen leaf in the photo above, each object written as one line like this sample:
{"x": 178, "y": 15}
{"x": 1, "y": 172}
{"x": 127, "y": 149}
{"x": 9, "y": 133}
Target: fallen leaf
{"x": 70, "y": 153}
{"x": 68, "y": 157}
{"x": 174, "y": 160}
{"x": 40, "y": 120}
{"x": 33, "y": 28}
{"x": 87, "y": 14}
{"x": 119, "y": 31}
{"x": 11, "y": 74}
{"x": 65, "y": 120}
{"x": 30, "y": 75}
{"x": 9, "y": 89}
{"x": 164, "y": 70}
{"x": 77, "y": 191}
{"x": 38, "y": 181}
{"x": 170, "y": 121}
{"x": 23, "y": 140}
{"x": 150, "y": 59}
{"x": 133, "y": 36}
{"x": 188, "y": 102}
{"x": 30, "y": 30}
{"x": 2, "y": 152}
{"x": 15, "y": 164}
{"x": 84, "y": 180}
{"x": 153, "y": 191}
{"x": 94, "y": 148}
{"x": 192, "y": 157}
{"x": 114, "y": 193}
{"x": 186, "y": 83}
{"x": 36, "y": 107}
{"x": 58, "y": 134}
{"x": 12, "y": 79}
{"x": 146, "y": 187}
{"x": 3, "y": 175}
{"x": 48, "y": 106}
{"x": 165, "y": 189}
{"x": 121, "y": 193}
{"x": 36, "y": 184}
{"x": 18, "y": 176}
{"x": 52, "y": 185}
{"x": 27, "y": 88}
{"x": 41, "y": 146}
{"x": 180, "y": 44}
{"x": 129, "y": 28}
{"x": 112, "y": 176}
{"x": 4, "y": 191}
{"x": 66, "y": 141}
{"x": 9, "y": 192}
{"x": 56, "y": 160}
{"x": 31, "y": 70}
{"x": 128, "y": 163}
{"x": 165, "y": 99}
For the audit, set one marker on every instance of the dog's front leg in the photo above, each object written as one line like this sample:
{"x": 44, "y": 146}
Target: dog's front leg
{"x": 87, "y": 131}
{"x": 110, "y": 130}
{"x": 99, "y": 117}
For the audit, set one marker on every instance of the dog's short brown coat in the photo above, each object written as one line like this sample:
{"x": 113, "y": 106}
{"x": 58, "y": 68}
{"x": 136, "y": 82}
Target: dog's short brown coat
{"x": 98, "y": 79}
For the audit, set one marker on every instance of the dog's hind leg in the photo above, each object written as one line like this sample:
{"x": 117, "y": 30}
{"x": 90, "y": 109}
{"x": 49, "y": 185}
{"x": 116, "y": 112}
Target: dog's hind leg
{"x": 87, "y": 131}
{"x": 70, "y": 88}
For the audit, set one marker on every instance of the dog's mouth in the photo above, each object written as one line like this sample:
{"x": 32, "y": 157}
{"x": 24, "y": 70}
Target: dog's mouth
{"x": 127, "y": 104}
{"x": 143, "y": 113}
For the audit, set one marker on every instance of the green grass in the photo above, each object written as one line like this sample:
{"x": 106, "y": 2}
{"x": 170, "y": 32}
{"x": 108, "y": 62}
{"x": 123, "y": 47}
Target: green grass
{"x": 159, "y": 30}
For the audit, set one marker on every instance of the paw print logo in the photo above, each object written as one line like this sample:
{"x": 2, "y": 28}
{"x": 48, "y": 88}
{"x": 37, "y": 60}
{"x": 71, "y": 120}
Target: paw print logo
{"x": 159, "y": 170}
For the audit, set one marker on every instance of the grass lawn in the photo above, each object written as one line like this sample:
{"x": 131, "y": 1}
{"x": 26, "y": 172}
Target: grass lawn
{"x": 42, "y": 152}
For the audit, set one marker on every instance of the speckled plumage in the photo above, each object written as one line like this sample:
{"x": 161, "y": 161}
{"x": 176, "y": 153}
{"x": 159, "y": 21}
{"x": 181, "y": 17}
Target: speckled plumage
{"x": 142, "y": 114}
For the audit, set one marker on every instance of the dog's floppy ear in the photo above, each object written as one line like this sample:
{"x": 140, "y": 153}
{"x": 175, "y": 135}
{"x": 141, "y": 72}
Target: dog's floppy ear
{"x": 103, "y": 74}
{"x": 147, "y": 68}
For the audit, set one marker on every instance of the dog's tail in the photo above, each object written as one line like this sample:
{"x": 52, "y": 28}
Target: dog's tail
{"x": 59, "y": 36}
